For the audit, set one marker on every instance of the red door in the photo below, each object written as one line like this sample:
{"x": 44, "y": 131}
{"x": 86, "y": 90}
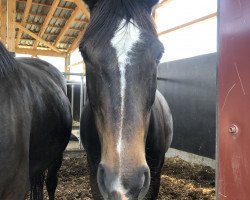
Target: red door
{"x": 234, "y": 100}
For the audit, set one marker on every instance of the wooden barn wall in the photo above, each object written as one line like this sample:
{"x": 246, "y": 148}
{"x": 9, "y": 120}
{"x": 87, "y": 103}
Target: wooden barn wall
{"x": 189, "y": 85}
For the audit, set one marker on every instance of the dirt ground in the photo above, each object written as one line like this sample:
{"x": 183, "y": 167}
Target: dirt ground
{"x": 180, "y": 180}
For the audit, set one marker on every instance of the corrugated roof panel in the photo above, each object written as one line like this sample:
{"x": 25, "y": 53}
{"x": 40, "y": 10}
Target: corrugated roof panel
{"x": 65, "y": 13}
{"x": 24, "y": 35}
{"x": 18, "y": 17}
{"x": 20, "y": 5}
{"x": 35, "y": 20}
{"x": 52, "y": 21}
{"x": 68, "y": 4}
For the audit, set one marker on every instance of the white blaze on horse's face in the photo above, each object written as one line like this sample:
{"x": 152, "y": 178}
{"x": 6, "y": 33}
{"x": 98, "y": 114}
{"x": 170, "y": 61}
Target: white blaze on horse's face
{"x": 125, "y": 38}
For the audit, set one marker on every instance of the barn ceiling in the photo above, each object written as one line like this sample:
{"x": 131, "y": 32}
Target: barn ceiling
{"x": 50, "y": 25}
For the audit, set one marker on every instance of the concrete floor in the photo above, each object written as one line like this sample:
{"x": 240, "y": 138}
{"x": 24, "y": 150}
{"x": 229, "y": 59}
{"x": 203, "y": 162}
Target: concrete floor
{"x": 74, "y": 145}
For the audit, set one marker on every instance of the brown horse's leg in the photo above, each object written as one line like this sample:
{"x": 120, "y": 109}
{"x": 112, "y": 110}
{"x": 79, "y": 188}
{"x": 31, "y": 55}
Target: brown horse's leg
{"x": 51, "y": 180}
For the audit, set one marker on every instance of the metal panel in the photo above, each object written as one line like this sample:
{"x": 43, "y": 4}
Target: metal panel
{"x": 234, "y": 100}
{"x": 189, "y": 85}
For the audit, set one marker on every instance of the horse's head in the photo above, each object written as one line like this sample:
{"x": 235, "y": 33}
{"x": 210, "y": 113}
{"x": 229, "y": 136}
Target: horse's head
{"x": 121, "y": 51}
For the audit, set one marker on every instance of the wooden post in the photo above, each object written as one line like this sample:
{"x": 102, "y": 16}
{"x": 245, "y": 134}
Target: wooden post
{"x": 3, "y": 19}
{"x": 67, "y": 63}
{"x": 84, "y": 68}
{"x": 11, "y": 21}
{"x": 8, "y": 19}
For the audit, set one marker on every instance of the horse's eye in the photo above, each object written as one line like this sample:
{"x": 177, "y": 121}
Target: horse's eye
{"x": 84, "y": 56}
{"x": 158, "y": 59}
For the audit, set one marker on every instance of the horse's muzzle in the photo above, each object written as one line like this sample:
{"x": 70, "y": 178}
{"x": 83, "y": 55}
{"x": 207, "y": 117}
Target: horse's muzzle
{"x": 119, "y": 186}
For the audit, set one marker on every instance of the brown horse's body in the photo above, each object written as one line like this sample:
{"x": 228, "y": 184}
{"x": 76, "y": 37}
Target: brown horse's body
{"x": 35, "y": 125}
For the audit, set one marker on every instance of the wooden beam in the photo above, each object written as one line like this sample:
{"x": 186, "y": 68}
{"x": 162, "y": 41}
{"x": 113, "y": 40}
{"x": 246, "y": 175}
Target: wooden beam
{"x": 8, "y": 19}
{"x": 39, "y": 52}
{"x": 11, "y": 20}
{"x": 36, "y": 37}
{"x": 54, "y": 17}
{"x": 3, "y": 20}
{"x": 47, "y": 20}
{"x": 76, "y": 64}
{"x": 76, "y": 42}
{"x": 50, "y": 26}
{"x": 47, "y": 5}
{"x": 33, "y": 40}
{"x": 68, "y": 68}
{"x": 67, "y": 26}
{"x": 24, "y": 19}
{"x": 41, "y": 48}
{"x": 67, "y": 63}
{"x": 41, "y": 15}
{"x": 188, "y": 24}
{"x": 83, "y": 8}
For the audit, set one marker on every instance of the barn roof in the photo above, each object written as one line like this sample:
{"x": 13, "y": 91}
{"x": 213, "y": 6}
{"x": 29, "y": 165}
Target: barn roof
{"x": 49, "y": 25}
{"x": 43, "y": 27}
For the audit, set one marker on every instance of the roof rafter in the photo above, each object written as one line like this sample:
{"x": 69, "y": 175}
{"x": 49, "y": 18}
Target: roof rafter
{"x": 24, "y": 19}
{"x": 67, "y": 26}
{"x": 47, "y": 20}
{"x": 42, "y": 15}
{"x": 39, "y": 52}
{"x": 47, "y": 5}
{"x": 36, "y": 37}
{"x": 83, "y": 8}
{"x": 74, "y": 45}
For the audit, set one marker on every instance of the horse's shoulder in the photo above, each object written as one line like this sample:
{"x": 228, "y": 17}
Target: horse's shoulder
{"x": 40, "y": 69}
{"x": 161, "y": 122}
{"x": 160, "y": 108}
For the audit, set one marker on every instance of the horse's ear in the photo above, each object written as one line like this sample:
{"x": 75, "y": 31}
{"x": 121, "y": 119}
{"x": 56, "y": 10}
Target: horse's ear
{"x": 90, "y": 3}
{"x": 150, "y": 3}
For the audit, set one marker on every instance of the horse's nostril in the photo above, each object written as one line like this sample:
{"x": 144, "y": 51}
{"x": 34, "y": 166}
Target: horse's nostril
{"x": 138, "y": 183}
{"x": 101, "y": 179}
{"x": 146, "y": 179}
{"x": 111, "y": 186}
{"x": 101, "y": 170}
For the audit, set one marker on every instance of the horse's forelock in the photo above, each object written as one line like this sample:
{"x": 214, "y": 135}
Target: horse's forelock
{"x": 107, "y": 15}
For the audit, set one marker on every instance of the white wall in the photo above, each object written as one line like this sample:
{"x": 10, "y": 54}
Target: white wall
{"x": 196, "y": 39}
{"x": 58, "y": 62}
{"x": 76, "y": 57}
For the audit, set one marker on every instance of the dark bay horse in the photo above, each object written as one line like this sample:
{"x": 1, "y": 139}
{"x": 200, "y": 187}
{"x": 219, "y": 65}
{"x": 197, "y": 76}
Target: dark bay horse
{"x": 35, "y": 126}
{"x": 126, "y": 128}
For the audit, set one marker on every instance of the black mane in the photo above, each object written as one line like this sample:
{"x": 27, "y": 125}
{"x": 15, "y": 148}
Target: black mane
{"x": 7, "y": 62}
{"x": 106, "y": 15}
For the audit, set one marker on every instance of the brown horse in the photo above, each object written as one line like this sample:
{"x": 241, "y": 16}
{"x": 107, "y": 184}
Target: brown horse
{"x": 126, "y": 128}
{"x": 35, "y": 126}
